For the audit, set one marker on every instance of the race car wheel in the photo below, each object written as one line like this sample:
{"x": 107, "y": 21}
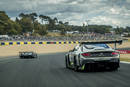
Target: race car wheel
{"x": 36, "y": 56}
{"x": 115, "y": 67}
{"x": 20, "y": 57}
{"x": 66, "y": 62}
{"x": 76, "y": 68}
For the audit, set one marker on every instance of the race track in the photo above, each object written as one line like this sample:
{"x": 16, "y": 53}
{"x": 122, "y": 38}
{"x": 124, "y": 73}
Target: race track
{"x": 49, "y": 71}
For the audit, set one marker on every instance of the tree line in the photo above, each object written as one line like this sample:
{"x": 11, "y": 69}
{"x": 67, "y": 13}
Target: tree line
{"x": 28, "y": 23}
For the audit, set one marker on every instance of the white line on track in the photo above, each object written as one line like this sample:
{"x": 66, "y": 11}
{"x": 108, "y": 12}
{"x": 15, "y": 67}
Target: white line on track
{"x": 4, "y": 59}
{"x": 125, "y": 62}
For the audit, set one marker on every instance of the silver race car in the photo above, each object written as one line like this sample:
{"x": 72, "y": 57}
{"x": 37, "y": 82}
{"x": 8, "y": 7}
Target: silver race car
{"x": 93, "y": 56}
{"x": 27, "y": 55}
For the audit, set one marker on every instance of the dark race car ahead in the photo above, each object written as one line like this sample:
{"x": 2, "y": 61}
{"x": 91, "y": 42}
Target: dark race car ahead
{"x": 92, "y": 56}
{"x": 27, "y": 55}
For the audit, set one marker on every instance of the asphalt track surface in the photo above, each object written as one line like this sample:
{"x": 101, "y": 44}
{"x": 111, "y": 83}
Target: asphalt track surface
{"x": 49, "y": 71}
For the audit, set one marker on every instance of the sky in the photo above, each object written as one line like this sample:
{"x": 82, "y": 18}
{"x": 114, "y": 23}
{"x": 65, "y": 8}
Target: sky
{"x": 76, "y": 12}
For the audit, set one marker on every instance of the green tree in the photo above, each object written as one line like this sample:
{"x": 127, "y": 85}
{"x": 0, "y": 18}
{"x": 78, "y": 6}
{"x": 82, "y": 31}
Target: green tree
{"x": 119, "y": 30}
{"x": 8, "y": 26}
{"x": 40, "y": 29}
{"x": 26, "y": 25}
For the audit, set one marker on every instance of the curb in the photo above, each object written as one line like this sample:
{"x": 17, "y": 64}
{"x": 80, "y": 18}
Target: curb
{"x": 125, "y": 62}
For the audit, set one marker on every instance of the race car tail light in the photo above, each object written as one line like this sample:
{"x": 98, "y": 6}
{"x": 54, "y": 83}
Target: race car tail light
{"x": 115, "y": 53}
{"x": 86, "y": 54}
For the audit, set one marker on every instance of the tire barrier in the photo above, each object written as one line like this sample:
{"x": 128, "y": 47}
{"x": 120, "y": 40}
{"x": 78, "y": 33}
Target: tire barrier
{"x": 44, "y": 42}
{"x": 59, "y": 42}
{"x": 124, "y": 51}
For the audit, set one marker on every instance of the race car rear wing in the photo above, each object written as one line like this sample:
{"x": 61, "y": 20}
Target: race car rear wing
{"x": 104, "y": 42}
{"x": 26, "y": 51}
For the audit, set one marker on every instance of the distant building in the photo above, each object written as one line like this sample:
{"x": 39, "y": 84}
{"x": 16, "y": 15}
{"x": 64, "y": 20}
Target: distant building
{"x": 124, "y": 34}
{"x": 27, "y": 34}
{"x": 54, "y": 31}
{"x": 112, "y": 32}
{"x": 4, "y": 36}
{"x": 72, "y": 32}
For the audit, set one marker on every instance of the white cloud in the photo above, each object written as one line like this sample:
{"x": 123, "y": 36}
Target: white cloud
{"x": 127, "y": 14}
{"x": 114, "y": 11}
{"x": 55, "y": 1}
{"x": 75, "y": 2}
{"x": 110, "y": 12}
{"x": 109, "y": 21}
{"x": 42, "y": 1}
{"x": 13, "y": 18}
{"x": 128, "y": 1}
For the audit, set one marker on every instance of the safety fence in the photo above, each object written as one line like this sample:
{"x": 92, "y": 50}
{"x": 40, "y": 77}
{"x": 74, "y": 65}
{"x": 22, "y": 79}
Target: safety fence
{"x": 68, "y": 37}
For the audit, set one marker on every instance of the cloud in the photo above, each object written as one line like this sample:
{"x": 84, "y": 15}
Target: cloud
{"x": 109, "y": 12}
{"x": 105, "y": 20}
{"x": 114, "y": 11}
{"x": 128, "y": 1}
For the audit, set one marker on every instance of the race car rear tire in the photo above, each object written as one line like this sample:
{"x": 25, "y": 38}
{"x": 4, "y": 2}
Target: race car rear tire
{"x": 76, "y": 68}
{"x": 36, "y": 56}
{"x": 20, "y": 57}
{"x": 66, "y": 62}
{"x": 115, "y": 67}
